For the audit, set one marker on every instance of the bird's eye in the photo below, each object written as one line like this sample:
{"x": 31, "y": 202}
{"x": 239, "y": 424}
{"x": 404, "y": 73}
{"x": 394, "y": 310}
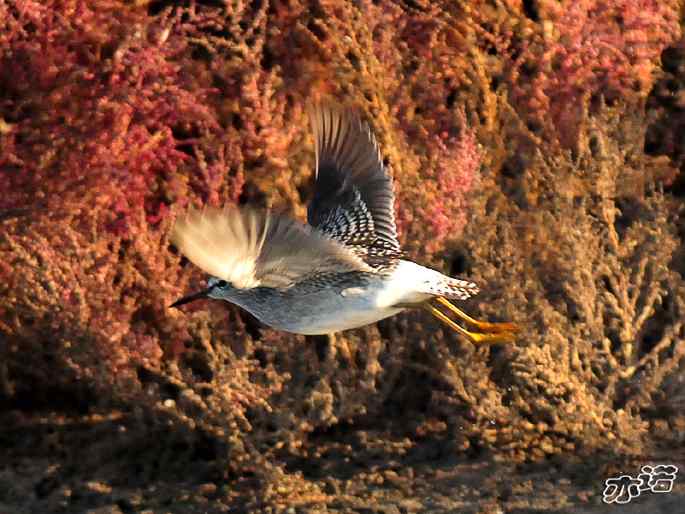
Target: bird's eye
{"x": 221, "y": 283}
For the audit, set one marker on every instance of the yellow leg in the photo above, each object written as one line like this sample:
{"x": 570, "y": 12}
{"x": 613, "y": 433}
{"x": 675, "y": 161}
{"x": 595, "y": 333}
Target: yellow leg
{"x": 482, "y": 326}
{"x": 474, "y": 337}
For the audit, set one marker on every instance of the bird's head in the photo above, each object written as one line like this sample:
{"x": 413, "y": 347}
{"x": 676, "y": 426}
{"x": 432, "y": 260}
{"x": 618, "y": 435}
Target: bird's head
{"x": 217, "y": 288}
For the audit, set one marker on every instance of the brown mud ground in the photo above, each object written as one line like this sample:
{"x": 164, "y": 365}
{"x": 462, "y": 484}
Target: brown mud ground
{"x": 53, "y": 463}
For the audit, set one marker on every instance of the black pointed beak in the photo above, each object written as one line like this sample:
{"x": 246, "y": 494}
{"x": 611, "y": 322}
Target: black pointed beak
{"x": 191, "y": 297}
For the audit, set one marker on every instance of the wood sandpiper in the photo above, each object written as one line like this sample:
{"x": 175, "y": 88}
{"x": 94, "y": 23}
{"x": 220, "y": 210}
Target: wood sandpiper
{"x": 342, "y": 270}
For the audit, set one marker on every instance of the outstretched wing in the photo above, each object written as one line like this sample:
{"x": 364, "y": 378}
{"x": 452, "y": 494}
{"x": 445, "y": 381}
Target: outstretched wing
{"x": 353, "y": 200}
{"x": 251, "y": 248}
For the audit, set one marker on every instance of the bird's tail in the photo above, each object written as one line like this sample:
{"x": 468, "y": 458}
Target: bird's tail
{"x": 425, "y": 283}
{"x": 453, "y": 288}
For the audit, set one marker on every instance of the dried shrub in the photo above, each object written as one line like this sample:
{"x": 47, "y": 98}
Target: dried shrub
{"x": 666, "y": 108}
{"x": 581, "y": 263}
{"x": 86, "y": 327}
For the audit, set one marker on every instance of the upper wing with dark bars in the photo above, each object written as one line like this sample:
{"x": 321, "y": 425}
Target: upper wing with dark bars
{"x": 353, "y": 200}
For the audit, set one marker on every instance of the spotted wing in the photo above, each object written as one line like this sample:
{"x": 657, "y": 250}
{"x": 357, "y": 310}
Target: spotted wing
{"x": 251, "y": 248}
{"x": 353, "y": 200}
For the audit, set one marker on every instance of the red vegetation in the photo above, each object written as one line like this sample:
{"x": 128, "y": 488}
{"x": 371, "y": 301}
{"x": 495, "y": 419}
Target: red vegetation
{"x": 587, "y": 49}
{"x": 100, "y": 111}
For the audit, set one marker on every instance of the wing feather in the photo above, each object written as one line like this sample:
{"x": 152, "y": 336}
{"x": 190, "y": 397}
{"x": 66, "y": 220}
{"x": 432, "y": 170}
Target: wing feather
{"x": 252, "y": 248}
{"x": 353, "y": 200}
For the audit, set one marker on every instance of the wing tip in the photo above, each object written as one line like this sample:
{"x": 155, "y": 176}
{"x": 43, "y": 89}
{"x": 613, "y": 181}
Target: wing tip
{"x": 319, "y": 109}
{"x": 339, "y": 131}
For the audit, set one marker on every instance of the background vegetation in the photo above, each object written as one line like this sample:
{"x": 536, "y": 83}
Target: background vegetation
{"x": 536, "y": 147}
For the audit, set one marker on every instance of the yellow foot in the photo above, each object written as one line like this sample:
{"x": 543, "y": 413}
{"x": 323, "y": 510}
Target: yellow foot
{"x": 482, "y": 326}
{"x": 500, "y": 336}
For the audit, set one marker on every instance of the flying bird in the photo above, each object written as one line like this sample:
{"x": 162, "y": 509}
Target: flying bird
{"x": 343, "y": 269}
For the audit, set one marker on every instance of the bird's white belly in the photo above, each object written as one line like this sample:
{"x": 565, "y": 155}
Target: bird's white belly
{"x": 344, "y": 319}
{"x": 358, "y": 306}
